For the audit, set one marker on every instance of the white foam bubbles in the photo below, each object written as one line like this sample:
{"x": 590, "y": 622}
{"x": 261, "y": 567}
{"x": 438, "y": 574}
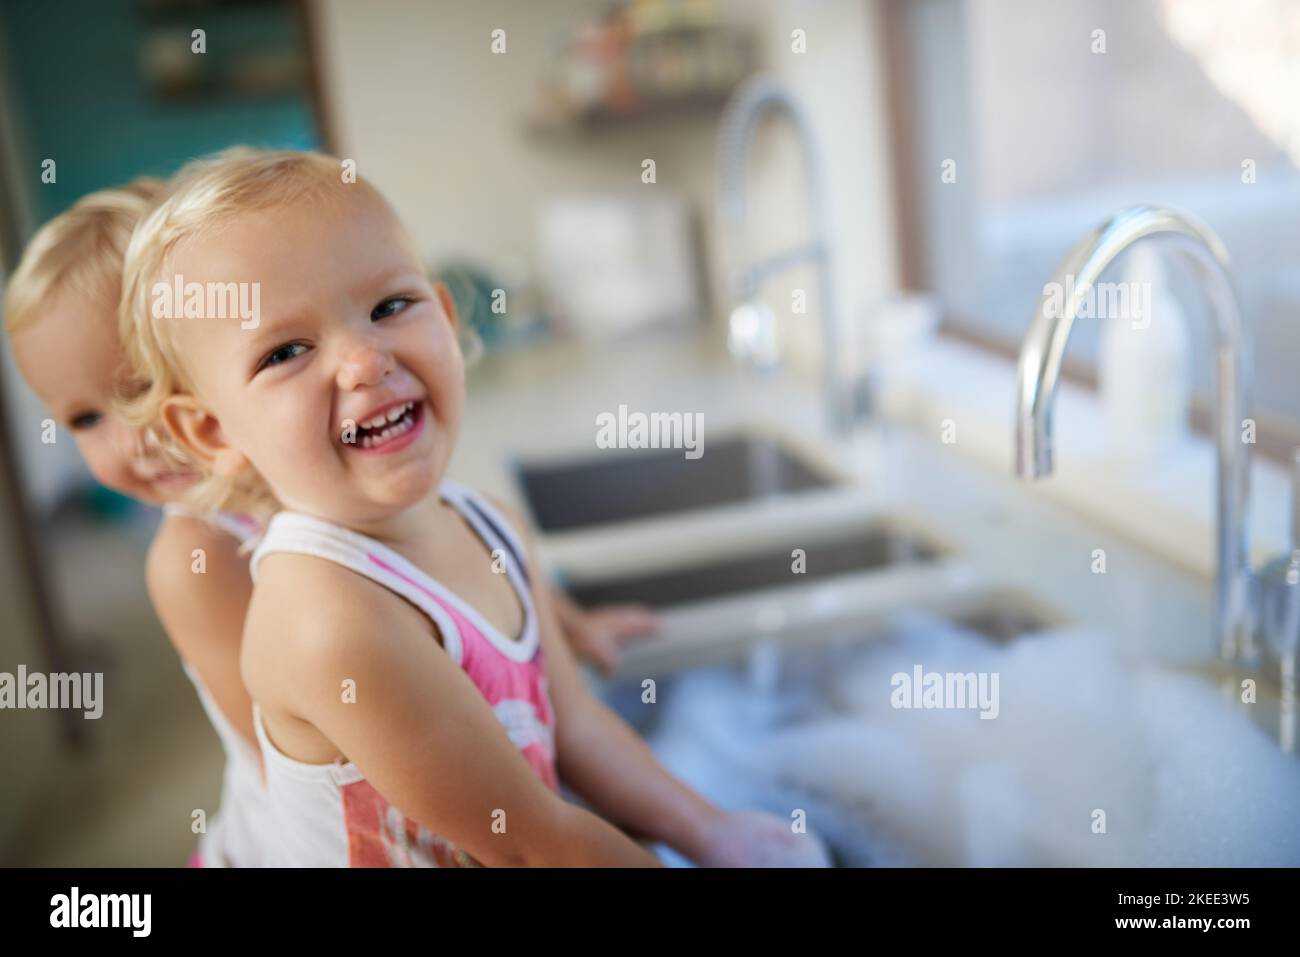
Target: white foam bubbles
{"x": 1083, "y": 739}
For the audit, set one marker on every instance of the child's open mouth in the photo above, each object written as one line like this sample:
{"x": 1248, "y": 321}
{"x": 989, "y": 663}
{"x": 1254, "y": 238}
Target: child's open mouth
{"x": 392, "y": 429}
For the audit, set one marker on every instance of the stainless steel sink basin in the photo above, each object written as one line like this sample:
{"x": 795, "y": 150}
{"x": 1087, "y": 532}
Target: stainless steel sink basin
{"x": 620, "y": 485}
{"x": 785, "y": 686}
{"x": 880, "y": 546}
{"x": 1004, "y": 622}
{"x": 998, "y": 616}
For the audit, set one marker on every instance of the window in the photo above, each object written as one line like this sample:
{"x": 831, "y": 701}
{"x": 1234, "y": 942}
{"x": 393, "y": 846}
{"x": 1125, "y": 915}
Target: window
{"x": 1058, "y": 114}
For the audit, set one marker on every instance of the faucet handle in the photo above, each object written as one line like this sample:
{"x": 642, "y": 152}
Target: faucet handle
{"x": 1295, "y": 500}
{"x": 1279, "y": 583}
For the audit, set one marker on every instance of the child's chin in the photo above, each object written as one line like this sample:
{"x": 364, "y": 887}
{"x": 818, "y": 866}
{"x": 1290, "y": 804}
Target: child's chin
{"x": 150, "y": 495}
{"x": 405, "y": 490}
{"x": 172, "y": 486}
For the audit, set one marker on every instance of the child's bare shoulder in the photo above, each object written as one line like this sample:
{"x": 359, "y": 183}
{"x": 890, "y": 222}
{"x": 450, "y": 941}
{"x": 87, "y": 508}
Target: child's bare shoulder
{"x": 195, "y": 577}
{"x": 310, "y": 614}
{"x": 186, "y": 548}
{"x": 304, "y": 598}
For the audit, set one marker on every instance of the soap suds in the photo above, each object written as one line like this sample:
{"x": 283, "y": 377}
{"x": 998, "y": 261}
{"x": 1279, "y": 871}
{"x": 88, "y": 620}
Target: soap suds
{"x": 1083, "y": 740}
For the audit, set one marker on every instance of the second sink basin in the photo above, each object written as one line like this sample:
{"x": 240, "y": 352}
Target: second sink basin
{"x": 620, "y": 485}
{"x": 879, "y": 546}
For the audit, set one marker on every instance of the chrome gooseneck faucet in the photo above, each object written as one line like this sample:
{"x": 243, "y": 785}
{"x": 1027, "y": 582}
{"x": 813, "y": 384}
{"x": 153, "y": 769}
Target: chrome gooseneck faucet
{"x": 1040, "y": 367}
{"x": 751, "y": 321}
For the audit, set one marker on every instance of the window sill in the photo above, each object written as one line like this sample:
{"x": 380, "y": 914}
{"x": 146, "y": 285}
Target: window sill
{"x": 1167, "y": 507}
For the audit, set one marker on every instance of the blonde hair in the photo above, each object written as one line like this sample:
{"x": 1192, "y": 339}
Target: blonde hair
{"x": 204, "y": 194}
{"x": 81, "y": 250}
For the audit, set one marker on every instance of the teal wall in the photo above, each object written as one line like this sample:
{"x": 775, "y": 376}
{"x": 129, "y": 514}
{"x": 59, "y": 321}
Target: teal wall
{"x": 82, "y": 99}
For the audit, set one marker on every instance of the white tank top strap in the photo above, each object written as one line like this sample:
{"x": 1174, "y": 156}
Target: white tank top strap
{"x": 176, "y": 508}
{"x": 340, "y": 772}
{"x": 235, "y": 835}
{"x": 240, "y": 527}
{"x": 306, "y": 535}
{"x": 488, "y": 521}
{"x": 491, "y": 526}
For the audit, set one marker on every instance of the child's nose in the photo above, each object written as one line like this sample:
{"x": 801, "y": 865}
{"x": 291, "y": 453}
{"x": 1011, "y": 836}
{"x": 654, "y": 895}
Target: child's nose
{"x": 128, "y": 441}
{"x": 364, "y": 364}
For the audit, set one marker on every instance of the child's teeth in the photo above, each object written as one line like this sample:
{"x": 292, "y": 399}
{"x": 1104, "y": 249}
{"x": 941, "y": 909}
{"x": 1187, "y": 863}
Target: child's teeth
{"x": 384, "y": 418}
{"x": 395, "y": 420}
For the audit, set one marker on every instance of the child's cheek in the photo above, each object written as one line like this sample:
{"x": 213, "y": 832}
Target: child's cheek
{"x": 109, "y": 468}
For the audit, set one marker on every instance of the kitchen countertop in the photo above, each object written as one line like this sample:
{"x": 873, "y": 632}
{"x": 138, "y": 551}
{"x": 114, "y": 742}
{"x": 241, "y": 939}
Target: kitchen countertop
{"x": 1007, "y": 535}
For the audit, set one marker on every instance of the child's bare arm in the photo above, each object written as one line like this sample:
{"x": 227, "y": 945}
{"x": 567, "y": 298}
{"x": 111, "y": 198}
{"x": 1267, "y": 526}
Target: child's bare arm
{"x": 200, "y": 588}
{"x": 595, "y": 635}
{"x": 606, "y": 762}
{"x": 418, "y": 729}
{"x": 603, "y": 759}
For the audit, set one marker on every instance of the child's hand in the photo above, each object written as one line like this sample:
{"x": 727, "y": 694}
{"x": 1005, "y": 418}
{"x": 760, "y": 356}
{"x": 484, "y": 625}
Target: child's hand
{"x": 595, "y": 634}
{"x": 757, "y": 839}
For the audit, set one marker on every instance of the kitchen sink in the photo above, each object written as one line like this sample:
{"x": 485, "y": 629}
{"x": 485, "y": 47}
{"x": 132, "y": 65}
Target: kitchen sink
{"x": 1003, "y": 617}
{"x": 817, "y": 729}
{"x": 772, "y": 565}
{"x": 621, "y": 485}
{"x": 998, "y": 616}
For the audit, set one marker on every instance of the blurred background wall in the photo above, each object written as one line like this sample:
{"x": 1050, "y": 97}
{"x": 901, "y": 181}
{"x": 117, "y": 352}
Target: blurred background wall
{"x": 422, "y": 103}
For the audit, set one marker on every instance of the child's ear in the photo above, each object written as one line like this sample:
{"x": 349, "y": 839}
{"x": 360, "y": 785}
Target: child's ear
{"x": 448, "y": 303}
{"x": 199, "y": 433}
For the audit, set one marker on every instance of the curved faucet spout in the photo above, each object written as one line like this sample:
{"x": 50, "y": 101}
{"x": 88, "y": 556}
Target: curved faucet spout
{"x": 756, "y": 98}
{"x": 1043, "y": 350}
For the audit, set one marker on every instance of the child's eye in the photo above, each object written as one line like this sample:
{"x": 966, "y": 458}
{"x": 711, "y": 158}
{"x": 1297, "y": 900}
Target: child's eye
{"x": 282, "y": 354}
{"x": 389, "y": 307}
{"x": 84, "y": 420}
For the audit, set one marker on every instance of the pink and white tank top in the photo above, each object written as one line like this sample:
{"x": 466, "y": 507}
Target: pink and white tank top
{"x": 328, "y": 815}
{"x": 233, "y": 836}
